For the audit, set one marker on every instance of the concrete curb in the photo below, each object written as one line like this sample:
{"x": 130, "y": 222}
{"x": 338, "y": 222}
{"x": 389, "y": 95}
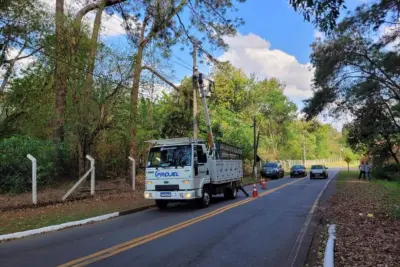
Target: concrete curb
{"x": 330, "y": 244}
{"x": 57, "y": 227}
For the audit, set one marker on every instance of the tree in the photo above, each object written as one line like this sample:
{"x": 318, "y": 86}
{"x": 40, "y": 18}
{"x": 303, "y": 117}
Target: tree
{"x": 323, "y": 13}
{"x": 23, "y": 25}
{"x": 358, "y": 75}
{"x": 163, "y": 24}
{"x": 64, "y": 73}
{"x": 347, "y": 159}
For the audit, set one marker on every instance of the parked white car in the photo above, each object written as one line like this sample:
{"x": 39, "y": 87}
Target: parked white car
{"x": 318, "y": 171}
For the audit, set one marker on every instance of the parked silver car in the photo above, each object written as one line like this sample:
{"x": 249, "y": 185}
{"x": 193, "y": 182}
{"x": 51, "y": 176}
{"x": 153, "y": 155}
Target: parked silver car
{"x": 318, "y": 171}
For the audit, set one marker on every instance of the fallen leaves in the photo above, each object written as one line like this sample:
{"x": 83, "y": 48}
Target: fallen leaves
{"x": 366, "y": 234}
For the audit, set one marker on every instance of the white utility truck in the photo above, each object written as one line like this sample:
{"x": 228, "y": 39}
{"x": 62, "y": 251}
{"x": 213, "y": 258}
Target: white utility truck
{"x": 183, "y": 169}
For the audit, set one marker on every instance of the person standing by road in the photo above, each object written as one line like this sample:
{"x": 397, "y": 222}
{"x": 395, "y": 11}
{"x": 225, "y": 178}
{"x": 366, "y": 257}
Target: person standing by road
{"x": 362, "y": 170}
{"x": 368, "y": 168}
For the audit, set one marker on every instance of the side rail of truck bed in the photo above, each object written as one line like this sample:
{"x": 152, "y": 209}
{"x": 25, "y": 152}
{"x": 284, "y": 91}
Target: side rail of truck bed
{"x": 223, "y": 171}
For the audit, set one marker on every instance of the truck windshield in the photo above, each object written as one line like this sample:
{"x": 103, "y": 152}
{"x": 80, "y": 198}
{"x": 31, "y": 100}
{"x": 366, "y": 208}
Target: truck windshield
{"x": 170, "y": 156}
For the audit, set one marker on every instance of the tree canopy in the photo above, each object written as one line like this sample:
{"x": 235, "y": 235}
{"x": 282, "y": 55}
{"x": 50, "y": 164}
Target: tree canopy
{"x": 357, "y": 73}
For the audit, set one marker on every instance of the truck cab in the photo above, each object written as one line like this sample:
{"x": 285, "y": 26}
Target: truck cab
{"x": 182, "y": 169}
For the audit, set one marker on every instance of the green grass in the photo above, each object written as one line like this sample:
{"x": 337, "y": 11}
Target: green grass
{"x": 18, "y": 224}
{"x": 344, "y": 176}
{"x": 392, "y": 189}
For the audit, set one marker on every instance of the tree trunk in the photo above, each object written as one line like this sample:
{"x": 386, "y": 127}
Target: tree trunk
{"x": 93, "y": 49}
{"x": 134, "y": 100}
{"x": 10, "y": 68}
{"x": 84, "y": 134}
{"x": 394, "y": 156}
{"x": 60, "y": 83}
{"x": 60, "y": 76}
{"x": 348, "y": 167}
{"x": 390, "y": 148}
{"x": 81, "y": 155}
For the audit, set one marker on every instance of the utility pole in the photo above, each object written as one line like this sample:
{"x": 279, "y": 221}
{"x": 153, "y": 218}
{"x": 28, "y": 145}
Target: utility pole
{"x": 195, "y": 122}
{"x": 255, "y": 147}
{"x": 304, "y": 151}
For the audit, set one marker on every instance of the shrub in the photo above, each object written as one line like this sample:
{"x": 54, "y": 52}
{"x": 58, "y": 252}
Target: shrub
{"x": 390, "y": 172}
{"x": 16, "y": 168}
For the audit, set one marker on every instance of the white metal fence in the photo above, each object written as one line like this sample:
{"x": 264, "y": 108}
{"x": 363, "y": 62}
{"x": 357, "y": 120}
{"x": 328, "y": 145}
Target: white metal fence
{"x": 287, "y": 164}
{"x": 90, "y": 172}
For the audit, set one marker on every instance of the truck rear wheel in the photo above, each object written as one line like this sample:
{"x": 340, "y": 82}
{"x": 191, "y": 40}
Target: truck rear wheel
{"x": 161, "y": 204}
{"x": 205, "y": 199}
{"x": 230, "y": 192}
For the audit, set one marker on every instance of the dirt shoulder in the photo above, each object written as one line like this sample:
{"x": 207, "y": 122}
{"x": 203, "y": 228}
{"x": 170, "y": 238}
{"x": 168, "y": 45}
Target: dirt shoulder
{"x": 18, "y": 214}
{"x": 368, "y": 225}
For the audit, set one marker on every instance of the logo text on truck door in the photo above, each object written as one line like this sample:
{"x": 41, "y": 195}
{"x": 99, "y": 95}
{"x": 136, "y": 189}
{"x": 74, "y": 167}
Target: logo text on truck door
{"x": 166, "y": 174}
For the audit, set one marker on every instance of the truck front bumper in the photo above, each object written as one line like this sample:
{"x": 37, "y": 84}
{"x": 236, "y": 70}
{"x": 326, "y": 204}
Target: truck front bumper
{"x": 172, "y": 195}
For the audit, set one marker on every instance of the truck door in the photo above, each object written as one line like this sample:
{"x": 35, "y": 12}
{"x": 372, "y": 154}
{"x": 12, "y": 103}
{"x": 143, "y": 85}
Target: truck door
{"x": 200, "y": 156}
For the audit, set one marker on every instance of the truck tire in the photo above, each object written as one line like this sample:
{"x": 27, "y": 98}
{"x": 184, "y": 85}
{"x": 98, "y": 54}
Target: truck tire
{"x": 205, "y": 199}
{"x": 161, "y": 204}
{"x": 230, "y": 192}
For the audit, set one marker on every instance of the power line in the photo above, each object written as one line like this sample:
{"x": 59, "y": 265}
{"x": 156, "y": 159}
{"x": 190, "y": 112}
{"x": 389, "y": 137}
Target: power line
{"x": 74, "y": 66}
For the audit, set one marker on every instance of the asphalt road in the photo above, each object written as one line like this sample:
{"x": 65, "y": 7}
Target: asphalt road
{"x": 272, "y": 230}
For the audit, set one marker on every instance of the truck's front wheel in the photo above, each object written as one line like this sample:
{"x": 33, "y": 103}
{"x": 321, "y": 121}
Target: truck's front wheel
{"x": 205, "y": 200}
{"x": 161, "y": 204}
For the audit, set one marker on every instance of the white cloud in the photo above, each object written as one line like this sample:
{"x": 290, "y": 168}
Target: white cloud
{"x": 253, "y": 54}
{"x": 389, "y": 30}
{"x": 319, "y": 35}
{"x": 111, "y": 24}
{"x": 20, "y": 64}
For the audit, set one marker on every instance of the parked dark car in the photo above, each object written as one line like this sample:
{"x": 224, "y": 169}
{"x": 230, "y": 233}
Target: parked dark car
{"x": 272, "y": 170}
{"x": 298, "y": 171}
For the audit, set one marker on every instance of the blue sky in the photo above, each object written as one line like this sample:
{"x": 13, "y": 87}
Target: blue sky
{"x": 276, "y": 22}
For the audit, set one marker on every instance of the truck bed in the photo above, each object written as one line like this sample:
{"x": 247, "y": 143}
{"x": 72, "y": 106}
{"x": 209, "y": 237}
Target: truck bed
{"x": 223, "y": 171}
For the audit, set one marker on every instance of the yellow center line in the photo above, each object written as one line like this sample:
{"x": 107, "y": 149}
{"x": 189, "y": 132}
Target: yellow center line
{"x": 83, "y": 261}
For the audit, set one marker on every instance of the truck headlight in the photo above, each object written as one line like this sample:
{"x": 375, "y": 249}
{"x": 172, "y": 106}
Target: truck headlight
{"x": 186, "y": 181}
{"x": 149, "y": 182}
{"x": 188, "y": 195}
{"x": 146, "y": 195}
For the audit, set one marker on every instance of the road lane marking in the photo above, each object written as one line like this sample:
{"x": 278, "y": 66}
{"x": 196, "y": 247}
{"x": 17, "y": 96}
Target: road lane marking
{"x": 303, "y": 230}
{"x": 83, "y": 261}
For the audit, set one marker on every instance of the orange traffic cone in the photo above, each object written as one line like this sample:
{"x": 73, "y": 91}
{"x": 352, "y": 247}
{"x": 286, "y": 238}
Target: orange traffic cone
{"x": 264, "y": 184}
{"x": 255, "y": 193}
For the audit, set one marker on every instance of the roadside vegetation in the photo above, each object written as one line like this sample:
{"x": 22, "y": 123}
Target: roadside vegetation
{"x": 357, "y": 76}
{"x": 75, "y": 96}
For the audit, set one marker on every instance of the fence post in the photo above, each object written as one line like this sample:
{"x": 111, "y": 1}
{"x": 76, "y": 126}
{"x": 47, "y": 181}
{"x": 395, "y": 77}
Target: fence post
{"x": 34, "y": 179}
{"x": 133, "y": 173}
{"x": 92, "y": 175}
